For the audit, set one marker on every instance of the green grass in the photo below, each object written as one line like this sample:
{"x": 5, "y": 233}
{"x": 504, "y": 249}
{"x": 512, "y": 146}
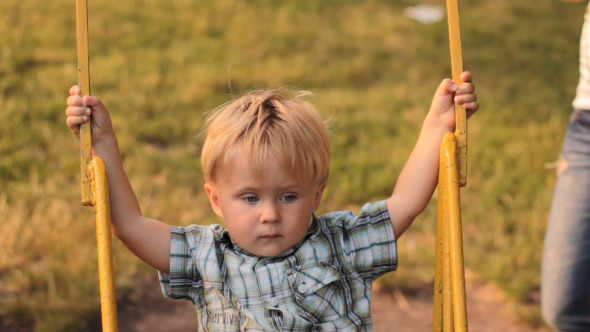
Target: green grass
{"x": 159, "y": 66}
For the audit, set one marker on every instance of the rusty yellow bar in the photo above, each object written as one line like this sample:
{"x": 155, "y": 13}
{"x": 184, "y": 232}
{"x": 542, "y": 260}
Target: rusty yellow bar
{"x": 443, "y": 301}
{"x": 449, "y": 163}
{"x": 102, "y": 211}
{"x": 447, "y": 290}
{"x": 84, "y": 82}
{"x": 457, "y": 69}
{"x": 450, "y": 310}
{"x": 437, "y": 302}
{"x": 94, "y": 183}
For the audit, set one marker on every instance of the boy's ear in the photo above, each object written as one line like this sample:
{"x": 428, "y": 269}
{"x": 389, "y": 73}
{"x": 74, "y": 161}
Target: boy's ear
{"x": 211, "y": 190}
{"x": 318, "y": 196}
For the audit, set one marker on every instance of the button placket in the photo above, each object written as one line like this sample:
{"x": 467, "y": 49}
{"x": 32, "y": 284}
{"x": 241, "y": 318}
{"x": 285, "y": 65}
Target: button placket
{"x": 265, "y": 272}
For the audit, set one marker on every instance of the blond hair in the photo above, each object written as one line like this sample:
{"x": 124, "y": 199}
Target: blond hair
{"x": 267, "y": 124}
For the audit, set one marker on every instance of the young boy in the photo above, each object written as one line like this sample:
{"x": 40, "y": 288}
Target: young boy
{"x": 274, "y": 265}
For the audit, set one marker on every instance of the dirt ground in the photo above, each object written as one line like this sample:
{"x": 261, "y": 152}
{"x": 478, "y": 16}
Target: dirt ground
{"x": 393, "y": 310}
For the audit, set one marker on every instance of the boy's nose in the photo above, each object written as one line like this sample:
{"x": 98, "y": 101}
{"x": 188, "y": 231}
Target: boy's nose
{"x": 269, "y": 214}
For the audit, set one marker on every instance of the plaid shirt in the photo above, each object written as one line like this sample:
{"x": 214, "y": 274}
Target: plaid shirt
{"x": 322, "y": 283}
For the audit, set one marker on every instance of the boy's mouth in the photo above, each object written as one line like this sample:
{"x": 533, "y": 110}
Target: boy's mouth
{"x": 270, "y": 236}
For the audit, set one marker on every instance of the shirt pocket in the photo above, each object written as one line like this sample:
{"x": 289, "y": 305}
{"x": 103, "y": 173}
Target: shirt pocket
{"x": 218, "y": 312}
{"x": 317, "y": 288}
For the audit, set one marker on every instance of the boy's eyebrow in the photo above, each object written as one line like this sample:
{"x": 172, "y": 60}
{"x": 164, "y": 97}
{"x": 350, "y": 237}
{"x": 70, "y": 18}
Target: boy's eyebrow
{"x": 295, "y": 186}
{"x": 291, "y": 187}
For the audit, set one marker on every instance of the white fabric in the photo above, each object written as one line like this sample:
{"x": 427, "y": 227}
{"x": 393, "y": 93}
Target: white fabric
{"x": 582, "y": 100}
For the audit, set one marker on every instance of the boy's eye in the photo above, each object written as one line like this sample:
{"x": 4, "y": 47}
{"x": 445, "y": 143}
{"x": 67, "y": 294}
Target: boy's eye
{"x": 251, "y": 199}
{"x": 289, "y": 198}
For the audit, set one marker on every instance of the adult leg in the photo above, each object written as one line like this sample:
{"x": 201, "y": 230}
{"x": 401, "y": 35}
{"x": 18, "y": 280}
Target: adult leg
{"x": 565, "y": 275}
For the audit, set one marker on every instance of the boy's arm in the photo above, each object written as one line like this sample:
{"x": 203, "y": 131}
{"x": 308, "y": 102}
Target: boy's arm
{"x": 419, "y": 177}
{"x": 147, "y": 238}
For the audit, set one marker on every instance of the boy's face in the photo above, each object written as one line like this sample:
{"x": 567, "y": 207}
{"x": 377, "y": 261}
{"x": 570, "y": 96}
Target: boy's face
{"x": 264, "y": 216}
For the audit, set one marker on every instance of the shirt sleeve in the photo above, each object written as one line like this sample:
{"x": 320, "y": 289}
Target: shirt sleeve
{"x": 184, "y": 278}
{"x": 368, "y": 241}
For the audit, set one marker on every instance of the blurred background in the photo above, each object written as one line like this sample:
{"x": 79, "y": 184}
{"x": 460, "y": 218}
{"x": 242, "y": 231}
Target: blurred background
{"x": 159, "y": 66}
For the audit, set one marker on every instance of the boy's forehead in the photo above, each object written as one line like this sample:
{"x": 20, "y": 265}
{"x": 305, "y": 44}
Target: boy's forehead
{"x": 256, "y": 168}
{"x": 244, "y": 161}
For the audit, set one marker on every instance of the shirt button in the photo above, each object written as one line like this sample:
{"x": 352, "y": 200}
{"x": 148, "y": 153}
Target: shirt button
{"x": 273, "y": 302}
{"x": 302, "y": 288}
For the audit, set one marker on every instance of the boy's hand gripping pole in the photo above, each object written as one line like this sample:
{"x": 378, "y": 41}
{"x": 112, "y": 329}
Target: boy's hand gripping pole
{"x": 94, "y": 183}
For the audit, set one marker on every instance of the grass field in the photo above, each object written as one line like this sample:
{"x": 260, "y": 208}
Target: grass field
{"x": 159, "y": 66}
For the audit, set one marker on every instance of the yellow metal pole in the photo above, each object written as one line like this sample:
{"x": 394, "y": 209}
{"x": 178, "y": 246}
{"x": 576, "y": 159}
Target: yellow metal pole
{"x": 455, "y": 147}
{"x": 457, "y": 69}
{"x": 455, "y": 237}
{"x": 437, "y": 308}
{"x": 84, "y": 82}
{"x": 447, "y": 290}
{"x": 443, "y": 292}
{"x": 94, "y": 183}
{"x": 452, "y": 175}
{"x": 108, "y": 301}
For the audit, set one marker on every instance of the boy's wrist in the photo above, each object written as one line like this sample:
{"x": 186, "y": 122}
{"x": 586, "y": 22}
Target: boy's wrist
{"x": 105, "y": 144}
{"x": 434, "y": 124}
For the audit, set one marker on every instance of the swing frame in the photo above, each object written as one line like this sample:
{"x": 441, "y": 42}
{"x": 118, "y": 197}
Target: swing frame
{"x": 94, "y": 183}
{"x": 449, "y": 305}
